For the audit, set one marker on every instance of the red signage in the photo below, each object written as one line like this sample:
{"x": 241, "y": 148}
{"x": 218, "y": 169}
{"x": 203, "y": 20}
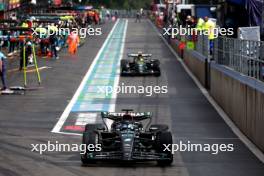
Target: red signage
{"x": 57, "y": 2}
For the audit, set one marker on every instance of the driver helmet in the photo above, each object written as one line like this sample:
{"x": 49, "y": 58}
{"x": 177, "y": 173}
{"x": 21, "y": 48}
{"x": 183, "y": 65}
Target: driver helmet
{"x": 140, "y": 56}
{"x": 140, "y": 53}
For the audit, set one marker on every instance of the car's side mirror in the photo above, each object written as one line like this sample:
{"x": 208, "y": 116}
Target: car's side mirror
{"x": 101, "y": 128}
{"x": 151, "y": 129}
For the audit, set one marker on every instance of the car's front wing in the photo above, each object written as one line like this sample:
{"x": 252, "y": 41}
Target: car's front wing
{"x": 135, "y": 156}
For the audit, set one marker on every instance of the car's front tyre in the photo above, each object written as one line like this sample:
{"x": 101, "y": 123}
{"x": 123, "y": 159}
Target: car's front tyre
{"x": 164, "y": 138}
{"x": 89, "y": 137}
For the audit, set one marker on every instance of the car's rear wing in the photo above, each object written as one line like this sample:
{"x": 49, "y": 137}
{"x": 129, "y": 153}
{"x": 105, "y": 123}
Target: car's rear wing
{"x": 136, "y": 55}
{"x": 135, "y": 116}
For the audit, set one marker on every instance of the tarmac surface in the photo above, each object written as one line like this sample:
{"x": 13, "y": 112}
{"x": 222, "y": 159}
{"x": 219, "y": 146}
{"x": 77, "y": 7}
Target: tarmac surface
{"x": 28, "y": 119}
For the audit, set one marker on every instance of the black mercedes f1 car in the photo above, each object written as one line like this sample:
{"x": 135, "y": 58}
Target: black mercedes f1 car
{"x": 129, "y": 137}
{"x": 141, "y": 65}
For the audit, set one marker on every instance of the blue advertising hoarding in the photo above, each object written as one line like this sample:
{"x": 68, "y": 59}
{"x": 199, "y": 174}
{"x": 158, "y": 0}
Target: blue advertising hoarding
{"x": 240, "y": 2}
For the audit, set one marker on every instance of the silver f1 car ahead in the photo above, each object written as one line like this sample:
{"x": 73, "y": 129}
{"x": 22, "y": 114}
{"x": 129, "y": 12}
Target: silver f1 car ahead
{"x": 129, "y": 137}
{"x": 142, "y": 65}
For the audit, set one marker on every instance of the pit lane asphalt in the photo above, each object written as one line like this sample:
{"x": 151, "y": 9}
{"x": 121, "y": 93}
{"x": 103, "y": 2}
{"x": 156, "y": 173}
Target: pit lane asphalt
{"x": 26, "y": 120}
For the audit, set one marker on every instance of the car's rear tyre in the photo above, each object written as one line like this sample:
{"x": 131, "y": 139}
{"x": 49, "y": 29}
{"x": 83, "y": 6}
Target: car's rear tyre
{"x": 164, "y": 138}
{"x": 156, "y": 63}
{"x": 88, "y": 138}
{"x": 124, "y": 66}
{"x": 157, "y": 72}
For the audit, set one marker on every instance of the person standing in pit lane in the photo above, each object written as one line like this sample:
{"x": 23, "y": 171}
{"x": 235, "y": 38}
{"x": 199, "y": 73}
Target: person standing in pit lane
{"x": 209, "y": 27}
{"x": 28, "y": 55}
{"x": 3, "y": 70}
{"x": 54, "y": 45}
{"x": 73, "y": 42}
{"x": 96, "y": 17}
{"x": 138, "y": 17}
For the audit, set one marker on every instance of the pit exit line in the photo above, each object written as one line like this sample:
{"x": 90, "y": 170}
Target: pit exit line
{"x": 76, "y": 104}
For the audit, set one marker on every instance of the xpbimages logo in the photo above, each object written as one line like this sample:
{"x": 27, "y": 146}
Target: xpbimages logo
{"x": 125, "y": 89}
{"x": 60, "y": 147}
{"x": 183, "y": 31}
{"x": 192, "y": 147}
{"x": 82, "y": 32}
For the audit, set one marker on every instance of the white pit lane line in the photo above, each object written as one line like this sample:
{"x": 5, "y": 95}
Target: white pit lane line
{"x": 65, "y": 114}
{"x": 251, "y": 146}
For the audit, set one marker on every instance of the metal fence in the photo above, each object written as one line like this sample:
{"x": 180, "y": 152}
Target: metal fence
{"x": 244, "y": 56}
{"x": 202, "y": 45}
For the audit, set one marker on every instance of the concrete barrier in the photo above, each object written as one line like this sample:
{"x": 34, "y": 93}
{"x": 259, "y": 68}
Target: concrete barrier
{"x": 242, "y": 98}
{"x": 196, "y": 63}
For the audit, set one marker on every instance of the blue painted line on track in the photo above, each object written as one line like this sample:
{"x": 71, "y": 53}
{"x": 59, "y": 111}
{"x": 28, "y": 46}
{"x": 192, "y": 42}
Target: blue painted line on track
{"x": 103, "y": 74}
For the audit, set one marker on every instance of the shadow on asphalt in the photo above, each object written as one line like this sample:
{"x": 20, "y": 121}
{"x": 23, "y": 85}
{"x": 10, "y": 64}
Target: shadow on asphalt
{"x": 123, "y": 164}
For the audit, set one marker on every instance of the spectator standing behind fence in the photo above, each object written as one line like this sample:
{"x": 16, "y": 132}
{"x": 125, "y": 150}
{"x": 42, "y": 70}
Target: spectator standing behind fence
{"x": 209, "y": 27}
{"x": 73, "y": 42}
{"x": 176, "y": 21}
{"x": 190, "y": 38}
{"x": 3, "y": 71}
{"x": 190, "y": 22}
{"x": 200, "y": 24}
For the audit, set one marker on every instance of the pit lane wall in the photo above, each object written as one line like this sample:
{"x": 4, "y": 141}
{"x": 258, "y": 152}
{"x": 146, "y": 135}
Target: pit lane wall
{"x": 193, "y": 59}
{"x": 196, "y": 63}
{"x": 241, "y": 97}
